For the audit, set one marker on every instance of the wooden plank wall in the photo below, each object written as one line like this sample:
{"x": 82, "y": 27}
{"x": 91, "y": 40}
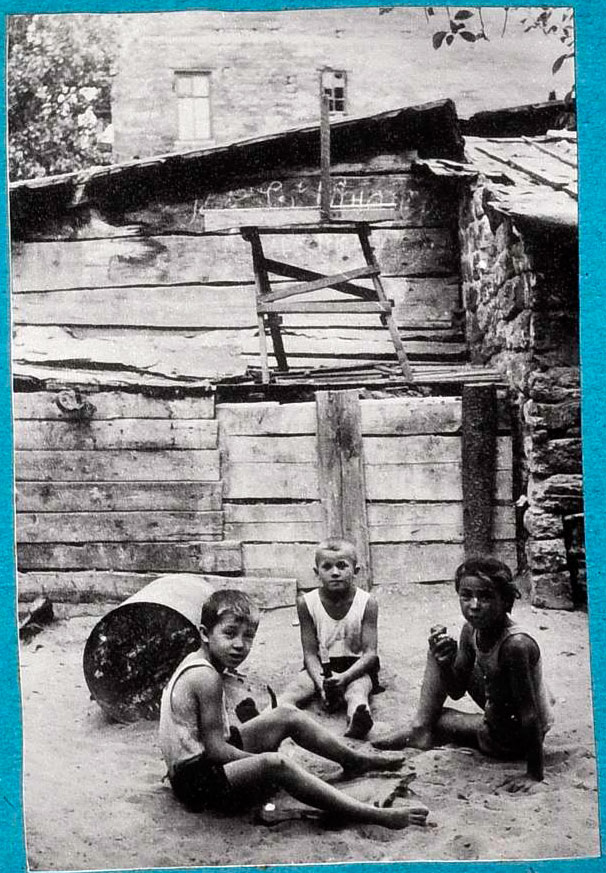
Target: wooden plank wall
{"x": 412, "y": 468}
{"x": 166, "y": 291}
{"x": 134, "y": 491}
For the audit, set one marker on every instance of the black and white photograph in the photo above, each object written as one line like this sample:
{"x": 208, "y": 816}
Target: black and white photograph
{"x": 297, "y": 437}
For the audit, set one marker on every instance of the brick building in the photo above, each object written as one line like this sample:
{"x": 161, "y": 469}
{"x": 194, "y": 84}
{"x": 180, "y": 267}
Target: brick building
{"x": 196, "y": 79}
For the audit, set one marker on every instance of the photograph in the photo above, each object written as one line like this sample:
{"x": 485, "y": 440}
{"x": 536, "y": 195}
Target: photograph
{"x": 295, "y": 405}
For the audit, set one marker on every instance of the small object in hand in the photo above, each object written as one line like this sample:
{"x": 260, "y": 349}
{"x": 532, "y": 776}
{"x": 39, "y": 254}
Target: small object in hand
{"x": 438, "y": 630}
{"x": 246, "y": 709}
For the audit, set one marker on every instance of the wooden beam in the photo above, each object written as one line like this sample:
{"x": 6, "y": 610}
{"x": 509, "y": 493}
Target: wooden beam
{"x": 328, "y": 306}
{"x": 292, "y": 272}
{"x": 325, "y": 192}
{"x": 478, "y": 466}
{"x": 334, "y": 281}
{"x": 341, "y": 472}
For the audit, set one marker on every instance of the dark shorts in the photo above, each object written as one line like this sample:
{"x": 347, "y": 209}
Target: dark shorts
{"x": 340, "y": 665}
{"x": 200, "y": 784}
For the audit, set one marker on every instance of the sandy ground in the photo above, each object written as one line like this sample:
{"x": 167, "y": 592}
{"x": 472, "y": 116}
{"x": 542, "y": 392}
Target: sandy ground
{"x": 94, "y": 796}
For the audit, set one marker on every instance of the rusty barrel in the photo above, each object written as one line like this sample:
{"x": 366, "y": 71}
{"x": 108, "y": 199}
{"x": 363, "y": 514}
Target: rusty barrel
{"x": 132, "y": 651}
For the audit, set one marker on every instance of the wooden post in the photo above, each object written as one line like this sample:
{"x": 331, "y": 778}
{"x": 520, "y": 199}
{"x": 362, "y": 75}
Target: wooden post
{"x": 341, "y": 473}
{"x": 479, "y": 461}
{"x": 324, "y": 156}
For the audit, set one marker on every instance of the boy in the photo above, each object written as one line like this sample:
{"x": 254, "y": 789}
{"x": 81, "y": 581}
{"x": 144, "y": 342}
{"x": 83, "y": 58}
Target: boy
{"x": 338, "y": 623}
{"x": 498, "y": 664}
{"x": 213, "y": 766}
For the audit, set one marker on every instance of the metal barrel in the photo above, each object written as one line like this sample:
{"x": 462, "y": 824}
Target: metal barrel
{"x": 132, "y": 651}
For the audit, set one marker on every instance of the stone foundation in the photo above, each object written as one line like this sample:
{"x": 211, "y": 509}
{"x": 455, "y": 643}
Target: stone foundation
{"x": 520, "y": 297}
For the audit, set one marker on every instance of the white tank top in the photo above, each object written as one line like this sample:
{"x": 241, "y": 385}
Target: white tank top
{"x": 338, "y": 637}
{"x": 180, "y": 740}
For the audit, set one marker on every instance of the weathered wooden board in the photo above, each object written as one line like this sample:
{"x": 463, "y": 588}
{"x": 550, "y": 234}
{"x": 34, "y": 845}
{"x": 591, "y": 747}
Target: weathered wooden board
{"x": 393, "y": 564}
{"x": 127, "y": 433}
{"x": 104, "y": 585}
{"x": 169, "y": 260}
{"x": 274, "y": 522}
{"x": 281, "y": 482}
{"x": 290, "y": 200}
{"x": 118, "y": 496}
{"x": 344, "y": 343}
{"x": 397, "y": 416}
{"x": 416, "y": 301}
{"x": 403, "y": 449}
{"x": 403, "y": 563}
{"x": 48, "y": 466}
{"x": 201, "y": 557}
{"x": 160, "y": 353}
{"x": 436, "y": 482}
{"x": 387, "y": 522}
{"x": 124, "y": 527}
{"x": 429, "y": 522}
{"x": 111, "y": 405}
{"x": 340, "y": 449}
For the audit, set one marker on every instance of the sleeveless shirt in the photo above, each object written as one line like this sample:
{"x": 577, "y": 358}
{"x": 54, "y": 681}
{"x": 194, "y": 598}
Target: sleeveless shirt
{"x": 180, "y": 740}
{"x": 500, "y": 708}
{"x": 338, "y": 637}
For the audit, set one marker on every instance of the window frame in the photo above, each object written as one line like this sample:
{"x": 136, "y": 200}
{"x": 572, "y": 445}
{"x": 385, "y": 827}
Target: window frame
{"x": 181, "y": 76}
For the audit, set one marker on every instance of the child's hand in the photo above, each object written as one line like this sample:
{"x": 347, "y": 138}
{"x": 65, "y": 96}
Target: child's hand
{"x": 442, "y": 647}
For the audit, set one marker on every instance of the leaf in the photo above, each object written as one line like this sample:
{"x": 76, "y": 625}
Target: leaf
{"x": 463, "y": 14}
{"x": 468, "y": 36}
{"x": 438, "y": 38}
{"x": 449, "y": 39}
{"x": 559, "y": 61}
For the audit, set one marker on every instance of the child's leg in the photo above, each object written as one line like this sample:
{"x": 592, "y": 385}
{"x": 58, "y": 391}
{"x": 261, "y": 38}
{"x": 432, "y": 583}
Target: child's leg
{"x": 299, "y": 691}
{"x": 265, "y": 733}
{"x": 432, "y": 723}
{"x": 359, "y": 719}
{"x": 272, "y": 769}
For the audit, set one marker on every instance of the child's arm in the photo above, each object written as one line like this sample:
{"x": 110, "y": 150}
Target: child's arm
{"x": 368, "y": 659}
{"x": 519, "y": 654}
{"x": 309, "y": 644}
{"x": 455, "y": 662}
{"x": 204, "y": 702}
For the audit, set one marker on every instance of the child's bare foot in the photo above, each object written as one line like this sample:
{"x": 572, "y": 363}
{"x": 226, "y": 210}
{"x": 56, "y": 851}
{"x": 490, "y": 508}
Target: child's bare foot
{"x": 366, "y": 761}
{"x": 414, "y": 738}
{"x": 361, "y": 722}
{"x": 402, "y": 816}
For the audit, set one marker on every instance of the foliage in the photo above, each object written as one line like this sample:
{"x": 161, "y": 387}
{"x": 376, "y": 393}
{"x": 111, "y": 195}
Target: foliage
{"x": 468, "y": 25}
{"x": 59, "y": 71}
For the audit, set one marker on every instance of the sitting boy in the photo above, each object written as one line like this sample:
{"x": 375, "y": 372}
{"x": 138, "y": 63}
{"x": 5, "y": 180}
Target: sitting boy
{"x": 213, "y": 766}
{"x": 338, "y": 624}
{"x": 498, "y": 664}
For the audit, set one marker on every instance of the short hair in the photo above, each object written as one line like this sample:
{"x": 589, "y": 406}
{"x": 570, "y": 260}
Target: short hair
{"x": 234, "y": 602}
{"x": 492, "y": 570}
{"x": 337, "y": 544}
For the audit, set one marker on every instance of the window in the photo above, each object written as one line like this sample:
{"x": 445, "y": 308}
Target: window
{"x": 193, "y": 106}
{"x": 334, "y": 85}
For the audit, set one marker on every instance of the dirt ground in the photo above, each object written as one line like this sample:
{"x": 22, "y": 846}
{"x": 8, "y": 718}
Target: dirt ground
{"x": 94, "y": 796}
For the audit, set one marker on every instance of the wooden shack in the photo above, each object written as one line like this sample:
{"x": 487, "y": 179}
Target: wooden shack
{"x": 145, "y": 439}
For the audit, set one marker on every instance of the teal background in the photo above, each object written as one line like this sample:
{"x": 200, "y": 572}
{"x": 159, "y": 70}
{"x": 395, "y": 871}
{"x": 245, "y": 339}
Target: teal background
{"x": 591, "y": 101}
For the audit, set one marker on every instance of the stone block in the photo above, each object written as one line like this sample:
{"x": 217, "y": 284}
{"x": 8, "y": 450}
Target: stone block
{"x": 554, "y": 456}
{"x": 551, "y": 591}
{"x": 542, "y": 524}
{"x": 553, "y": 416}
{"x": 561, "y": 493}
{"x": 555, "y": 385}
{"x": 546, "y": 556}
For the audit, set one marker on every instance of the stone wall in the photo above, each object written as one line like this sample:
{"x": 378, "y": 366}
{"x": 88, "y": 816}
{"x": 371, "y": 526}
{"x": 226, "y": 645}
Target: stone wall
{"x": 520, "y": 296}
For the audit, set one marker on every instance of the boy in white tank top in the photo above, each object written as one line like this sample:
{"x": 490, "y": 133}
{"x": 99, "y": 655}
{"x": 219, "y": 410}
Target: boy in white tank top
{"x": 498, "y": 664}
{"x": 338, "y": 624}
